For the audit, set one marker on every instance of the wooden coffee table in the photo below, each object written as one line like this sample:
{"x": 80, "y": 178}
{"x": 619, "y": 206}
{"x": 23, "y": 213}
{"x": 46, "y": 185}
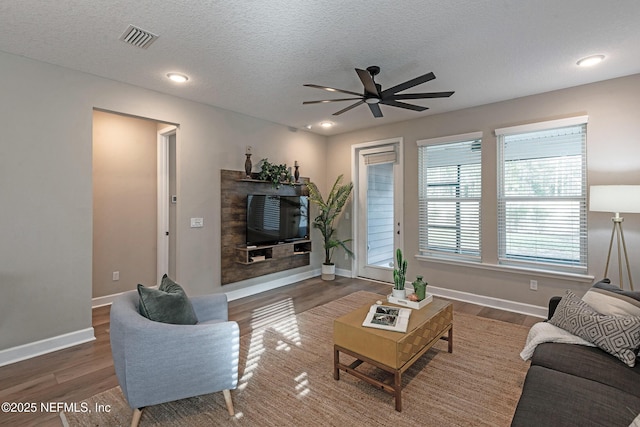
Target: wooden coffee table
{"x": 390, "y": 351}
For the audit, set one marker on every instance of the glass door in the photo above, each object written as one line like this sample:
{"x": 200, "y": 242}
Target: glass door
{"x": 379, "y": 212}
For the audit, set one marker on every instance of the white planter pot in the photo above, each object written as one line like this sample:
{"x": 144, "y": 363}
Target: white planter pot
{"x": 398, "y": 293}
{"x": 328, "y": 272}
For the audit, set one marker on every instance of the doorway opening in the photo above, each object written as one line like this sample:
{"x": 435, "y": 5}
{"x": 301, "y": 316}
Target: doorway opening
{"x": 133, "y": 173}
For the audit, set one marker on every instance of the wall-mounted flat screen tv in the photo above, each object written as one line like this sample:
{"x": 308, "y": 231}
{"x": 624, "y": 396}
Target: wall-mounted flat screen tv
{"x": 273, "y": 219}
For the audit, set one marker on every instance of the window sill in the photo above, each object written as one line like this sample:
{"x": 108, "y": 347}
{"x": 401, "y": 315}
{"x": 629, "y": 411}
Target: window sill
{"x": 585, "y": 278}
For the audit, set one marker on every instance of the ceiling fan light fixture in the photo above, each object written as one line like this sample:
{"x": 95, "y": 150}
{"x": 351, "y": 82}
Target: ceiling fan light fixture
{"x": 177, "y": 77}
{"x": 326, "y": 124}
{"x": 372, "y": 100}
{"x": 590, "y": 60}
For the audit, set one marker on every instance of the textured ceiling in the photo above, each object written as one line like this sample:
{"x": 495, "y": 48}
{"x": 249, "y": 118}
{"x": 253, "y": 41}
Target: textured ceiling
{"x": 254, "y": 56}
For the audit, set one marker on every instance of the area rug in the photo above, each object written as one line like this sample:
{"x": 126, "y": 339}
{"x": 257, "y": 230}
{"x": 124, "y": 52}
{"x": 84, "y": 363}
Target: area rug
{"x": 286, "y": 378}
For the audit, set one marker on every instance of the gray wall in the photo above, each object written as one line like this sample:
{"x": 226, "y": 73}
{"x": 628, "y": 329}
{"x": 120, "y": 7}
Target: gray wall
{"x": 46, "y": 188}
{"x": 613, "y": 150}
{"x": 46, "y": 184}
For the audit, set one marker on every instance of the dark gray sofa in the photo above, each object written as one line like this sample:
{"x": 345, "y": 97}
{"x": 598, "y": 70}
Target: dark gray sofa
{"x": 574, "y": 385}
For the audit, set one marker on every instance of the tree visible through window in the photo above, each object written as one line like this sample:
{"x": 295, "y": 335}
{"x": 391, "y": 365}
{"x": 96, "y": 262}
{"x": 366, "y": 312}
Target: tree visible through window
{"x": 542, "y": 196}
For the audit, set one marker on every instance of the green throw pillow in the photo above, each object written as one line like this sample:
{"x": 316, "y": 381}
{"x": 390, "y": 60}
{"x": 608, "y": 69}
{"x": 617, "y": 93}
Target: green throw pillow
{"x": 168, "y": 304}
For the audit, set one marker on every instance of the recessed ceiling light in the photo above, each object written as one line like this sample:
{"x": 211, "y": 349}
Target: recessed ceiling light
{"x": 326, "y": 125}
{"x": 177, "y": 77}
{"x": 307, "y": 126}
{"x": 590, "y": 60}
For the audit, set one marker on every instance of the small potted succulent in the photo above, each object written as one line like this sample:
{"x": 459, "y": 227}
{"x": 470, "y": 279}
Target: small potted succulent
{"x": 399, "y": 276}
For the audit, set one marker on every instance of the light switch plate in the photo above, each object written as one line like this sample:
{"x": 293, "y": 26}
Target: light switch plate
{"x": 197, "y": 222}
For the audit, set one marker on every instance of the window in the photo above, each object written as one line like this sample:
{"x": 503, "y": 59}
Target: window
{"x": 542, "y": 218}
{"x": 449, "y": 187}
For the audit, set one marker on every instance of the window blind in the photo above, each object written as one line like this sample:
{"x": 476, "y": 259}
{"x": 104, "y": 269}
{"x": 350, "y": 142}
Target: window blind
{"x": 386, "y": 154}
{"x": 449, "y": 186}
{"x": 542, "y": 215}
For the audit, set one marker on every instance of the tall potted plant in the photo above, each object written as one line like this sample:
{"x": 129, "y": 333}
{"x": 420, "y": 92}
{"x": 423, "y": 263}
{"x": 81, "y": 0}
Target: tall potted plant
{"x": 329, "y": 212}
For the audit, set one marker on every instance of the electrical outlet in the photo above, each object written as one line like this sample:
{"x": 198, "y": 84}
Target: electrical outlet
{"x": 533, "y": 285}
{"x": 116, "y": 276}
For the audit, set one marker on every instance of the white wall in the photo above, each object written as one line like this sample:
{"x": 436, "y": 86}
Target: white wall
{"x": 46, "y": 189}
{"x": 613, "y": 157}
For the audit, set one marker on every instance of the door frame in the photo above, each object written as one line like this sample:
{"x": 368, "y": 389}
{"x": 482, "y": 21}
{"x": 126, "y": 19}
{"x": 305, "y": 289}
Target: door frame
{"x": 163, "y": 200}
{"x": 398, "y": 198}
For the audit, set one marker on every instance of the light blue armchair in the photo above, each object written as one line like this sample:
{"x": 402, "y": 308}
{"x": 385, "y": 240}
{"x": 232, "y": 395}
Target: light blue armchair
{"x": 159, "y": 362}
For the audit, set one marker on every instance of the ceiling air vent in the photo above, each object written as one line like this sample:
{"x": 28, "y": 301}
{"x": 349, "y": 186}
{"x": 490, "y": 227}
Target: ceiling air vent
{"x": 138, "y": 37}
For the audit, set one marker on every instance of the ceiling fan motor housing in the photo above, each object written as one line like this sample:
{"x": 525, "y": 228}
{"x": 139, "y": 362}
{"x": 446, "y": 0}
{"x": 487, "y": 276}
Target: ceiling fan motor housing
{"x": 374, "y": 70}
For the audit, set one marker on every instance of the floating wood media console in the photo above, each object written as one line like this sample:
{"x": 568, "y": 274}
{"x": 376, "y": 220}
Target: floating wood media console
{"x": 239, "y": 262}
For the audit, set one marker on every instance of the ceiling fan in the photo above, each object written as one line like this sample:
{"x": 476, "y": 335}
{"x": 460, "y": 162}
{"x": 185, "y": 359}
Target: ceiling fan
{"x": 373, "y": 94}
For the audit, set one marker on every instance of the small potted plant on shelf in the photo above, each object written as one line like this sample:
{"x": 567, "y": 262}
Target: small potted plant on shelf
{"x": 329, "y": 212}
{"x": 399, "y": 275}
{"x": 275, "y": 174}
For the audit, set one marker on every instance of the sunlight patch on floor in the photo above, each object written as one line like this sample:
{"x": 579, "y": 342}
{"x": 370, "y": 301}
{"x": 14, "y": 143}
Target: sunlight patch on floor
{"x": 279, "y": 317}
{"x": 302, "y": 385}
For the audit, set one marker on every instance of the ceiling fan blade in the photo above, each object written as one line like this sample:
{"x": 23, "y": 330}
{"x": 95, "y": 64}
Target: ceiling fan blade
{"x": 348, "y": 108}
{"x": 375, "y": 109}
{"x": 331, "y": 89}
{"x": 421, "y": 95}
{"x": 408, "y": 84}
{"x": 325, "y": 101}
{"x": 367, "y": 82}
{"x": 404, "y": 105}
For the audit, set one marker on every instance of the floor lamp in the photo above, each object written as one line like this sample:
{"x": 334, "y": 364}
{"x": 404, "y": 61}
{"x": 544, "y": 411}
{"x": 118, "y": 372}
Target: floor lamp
{"x": 617, "y": 199}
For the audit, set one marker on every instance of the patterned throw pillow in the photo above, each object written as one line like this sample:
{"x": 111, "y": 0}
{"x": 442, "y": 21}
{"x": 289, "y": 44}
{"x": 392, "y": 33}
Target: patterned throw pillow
{"x": 610, "y": 299}
{"x": 617, "y": 335}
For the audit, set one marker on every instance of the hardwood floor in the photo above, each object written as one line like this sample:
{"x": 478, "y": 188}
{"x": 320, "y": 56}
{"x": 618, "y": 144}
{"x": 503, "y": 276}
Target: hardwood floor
{"x": 77, "y": 373}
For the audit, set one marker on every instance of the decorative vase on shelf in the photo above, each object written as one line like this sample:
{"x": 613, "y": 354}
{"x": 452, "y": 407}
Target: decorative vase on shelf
{"x": 296, "y": 173}
{"x": 247, "y": 165}
{"x": 420, "y": 288}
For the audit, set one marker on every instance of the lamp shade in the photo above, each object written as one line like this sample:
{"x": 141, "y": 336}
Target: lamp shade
{"x": 614, "y": 198}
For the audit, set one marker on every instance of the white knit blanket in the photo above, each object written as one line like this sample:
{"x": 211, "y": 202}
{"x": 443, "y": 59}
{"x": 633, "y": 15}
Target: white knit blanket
{"x": 546, "y": 332}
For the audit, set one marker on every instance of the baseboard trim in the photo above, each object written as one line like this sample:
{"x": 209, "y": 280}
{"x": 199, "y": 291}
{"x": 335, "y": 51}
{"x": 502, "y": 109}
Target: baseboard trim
{"x": 104, "y": 300}
{"x": 240, "y": 293}
{"x": 342, "y": 272}
{"x": 502, "y": 304}
{"x": 38, "y": 348}
{"x": 272, "y": 284}
{"x": 108, "y": 299}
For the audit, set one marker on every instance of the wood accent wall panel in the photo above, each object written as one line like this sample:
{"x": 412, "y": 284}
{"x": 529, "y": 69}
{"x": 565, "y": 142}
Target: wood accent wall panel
{"x": 233, "y": 220}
